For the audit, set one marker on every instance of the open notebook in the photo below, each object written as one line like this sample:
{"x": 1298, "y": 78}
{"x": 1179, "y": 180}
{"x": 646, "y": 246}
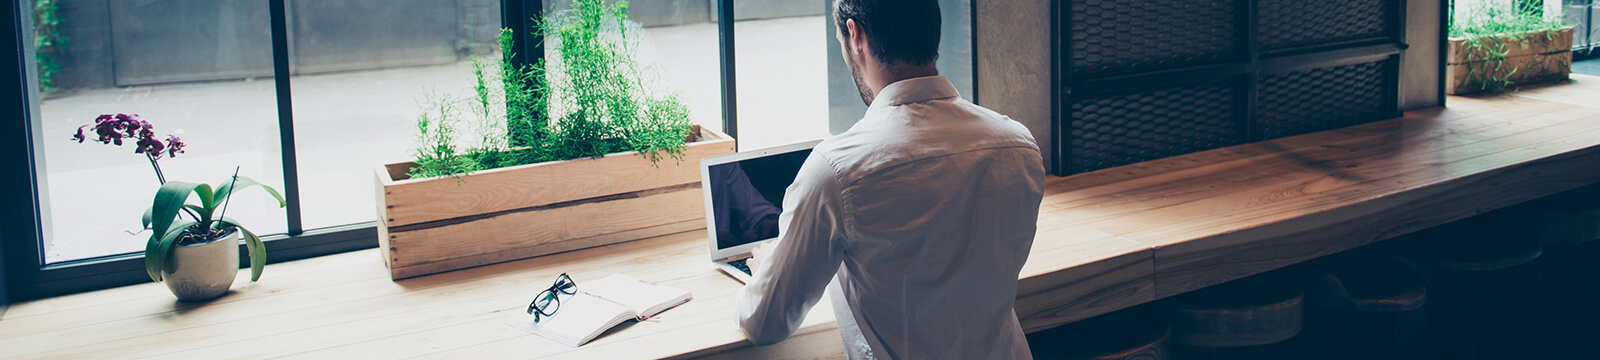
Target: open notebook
{"x": 600, "y": 305}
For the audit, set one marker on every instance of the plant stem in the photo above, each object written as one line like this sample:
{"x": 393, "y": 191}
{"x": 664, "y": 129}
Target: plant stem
{"x": 163, "y": 180}
{"x": 227, "y": 198}
{"x": 159, "y": 177}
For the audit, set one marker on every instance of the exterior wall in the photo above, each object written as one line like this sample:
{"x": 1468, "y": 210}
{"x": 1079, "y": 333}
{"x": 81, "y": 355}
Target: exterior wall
{"x": 188, "y": 40}
{"x": 128, "y": 42}
{"x": 124, "y": 42}
{"x": 387, "y": 33}
{"x": 86, "y": 62}
{"x": 768, "y": 9}
{"x": 651, "y": 13}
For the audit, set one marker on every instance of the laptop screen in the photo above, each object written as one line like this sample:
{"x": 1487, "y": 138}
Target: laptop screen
{"x": 747, "y": 196}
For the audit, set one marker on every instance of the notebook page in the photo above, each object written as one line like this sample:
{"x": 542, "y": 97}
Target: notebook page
{"x": 645, "y": 298}
{"x": 579, "y": 319}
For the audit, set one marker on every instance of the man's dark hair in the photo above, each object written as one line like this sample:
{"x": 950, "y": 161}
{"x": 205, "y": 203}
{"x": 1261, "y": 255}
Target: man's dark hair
{"x": 899, "y": 31}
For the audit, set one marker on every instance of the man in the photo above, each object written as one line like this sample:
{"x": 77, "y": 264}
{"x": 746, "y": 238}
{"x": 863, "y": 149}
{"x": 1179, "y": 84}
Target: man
{"x": 921, "y": 214}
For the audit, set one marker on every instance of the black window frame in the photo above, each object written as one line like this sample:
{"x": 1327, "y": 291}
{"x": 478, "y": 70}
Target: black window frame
{"x": 24, "y": 274}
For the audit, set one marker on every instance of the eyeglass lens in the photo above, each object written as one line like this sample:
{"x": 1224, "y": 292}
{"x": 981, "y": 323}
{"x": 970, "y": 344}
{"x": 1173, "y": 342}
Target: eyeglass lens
{"x": 547, "y": 302}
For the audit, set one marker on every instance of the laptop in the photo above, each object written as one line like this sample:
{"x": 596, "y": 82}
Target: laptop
{"x": 744, "y": 196}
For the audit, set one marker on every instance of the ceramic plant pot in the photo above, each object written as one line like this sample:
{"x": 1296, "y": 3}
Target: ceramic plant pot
{"x": 205, "y": 271}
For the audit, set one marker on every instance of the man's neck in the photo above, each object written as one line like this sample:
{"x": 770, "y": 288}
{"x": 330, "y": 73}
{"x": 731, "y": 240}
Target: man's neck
{"x": 896, "y": 73}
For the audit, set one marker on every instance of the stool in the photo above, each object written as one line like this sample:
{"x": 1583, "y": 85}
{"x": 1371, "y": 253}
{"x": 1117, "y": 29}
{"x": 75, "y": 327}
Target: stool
{"x": 1371, "y": 291}
{"x": 1244, "y": 312}
{"x": 1365, "y": 282}
{"x": 1488, "y": 245}
{"x": 1135, "y": 333}
{"x": 1567, "y": 218}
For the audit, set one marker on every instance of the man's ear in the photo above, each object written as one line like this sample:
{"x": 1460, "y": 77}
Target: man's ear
{"x": 857, "y": 39}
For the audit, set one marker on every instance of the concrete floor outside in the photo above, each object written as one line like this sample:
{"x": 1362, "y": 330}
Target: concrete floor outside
{"x": 345, "y": 123}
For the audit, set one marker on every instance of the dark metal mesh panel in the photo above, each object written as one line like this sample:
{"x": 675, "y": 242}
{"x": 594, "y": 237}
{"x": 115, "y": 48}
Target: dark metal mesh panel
{"x": 1291, "y": 23}
{"x": 1321, "y": 99}
{"x": 1112, "y": 37}
{"x": 1126, "y": 129}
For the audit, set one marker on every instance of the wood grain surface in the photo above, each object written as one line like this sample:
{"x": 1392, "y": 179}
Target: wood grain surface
{"x": 1107, "y": 240}
{"x": 412, "y": 201}
{"x": 428, "y": 226}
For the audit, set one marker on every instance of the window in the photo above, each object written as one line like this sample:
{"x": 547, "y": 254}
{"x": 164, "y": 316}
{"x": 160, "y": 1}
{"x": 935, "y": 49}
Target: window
{"x": 213, "y": 73}
{"x": 190, "y": 69}
{"x": 360, "y": 69}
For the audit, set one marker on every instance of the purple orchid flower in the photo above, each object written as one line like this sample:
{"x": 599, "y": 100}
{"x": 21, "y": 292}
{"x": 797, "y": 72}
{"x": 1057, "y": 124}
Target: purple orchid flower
{"x": 174, "y": 146}
{"x": 112, "y": 128}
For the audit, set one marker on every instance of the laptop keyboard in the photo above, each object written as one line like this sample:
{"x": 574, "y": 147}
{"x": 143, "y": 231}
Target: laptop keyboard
{"x": 739, "y": 264}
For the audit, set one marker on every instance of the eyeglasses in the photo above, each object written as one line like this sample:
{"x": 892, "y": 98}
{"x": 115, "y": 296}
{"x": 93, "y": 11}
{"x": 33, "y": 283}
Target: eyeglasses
{"x": 548, "y": 301}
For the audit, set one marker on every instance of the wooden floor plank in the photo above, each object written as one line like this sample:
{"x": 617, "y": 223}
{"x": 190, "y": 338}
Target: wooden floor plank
{"x": 85, "y": 314}
{"x": 1287, "y": 160}
{"x": 111, "y": 301}
{"x": 1061, "y": 189}
{"x": 1336, "y": 171}
{"x": 311, "y": 308}
{"x": 1584, "y": 90}
{"x": 458, "y": 324}
{"x": 1076, "y": 273}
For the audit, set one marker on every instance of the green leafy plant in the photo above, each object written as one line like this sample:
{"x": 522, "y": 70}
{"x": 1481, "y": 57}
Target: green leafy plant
{"x": 204, "y": 222}
{"x": 47, "y": 40}
{"x": 588, "y": 98}
{"x": 1489, "y": 34}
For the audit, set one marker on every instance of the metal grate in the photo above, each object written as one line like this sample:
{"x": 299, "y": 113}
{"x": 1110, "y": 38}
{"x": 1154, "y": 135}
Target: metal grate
{"x": 1293, "y": 23}
{"x": 1120, "y": 130}
{"x": 1111, "y": 37}
{"x": 1320, "y": 99}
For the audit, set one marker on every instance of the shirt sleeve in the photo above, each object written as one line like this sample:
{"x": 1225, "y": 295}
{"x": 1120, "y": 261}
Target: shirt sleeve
{"x": 808, "y": 253}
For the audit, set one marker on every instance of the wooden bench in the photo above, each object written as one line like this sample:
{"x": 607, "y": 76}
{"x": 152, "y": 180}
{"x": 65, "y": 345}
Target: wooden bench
{"x": 1107, "y": 240}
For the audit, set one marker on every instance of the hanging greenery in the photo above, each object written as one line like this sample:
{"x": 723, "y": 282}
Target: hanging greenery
{"x": 47, "y": 40}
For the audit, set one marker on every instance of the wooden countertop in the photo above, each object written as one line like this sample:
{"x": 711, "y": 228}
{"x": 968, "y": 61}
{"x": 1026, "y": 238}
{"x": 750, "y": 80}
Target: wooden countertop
{"x": 1107, "y": 240}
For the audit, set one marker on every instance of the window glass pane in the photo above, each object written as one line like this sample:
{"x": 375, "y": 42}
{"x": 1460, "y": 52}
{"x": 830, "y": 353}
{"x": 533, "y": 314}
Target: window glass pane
{"x": 361, "y": 67}
{"x": 199, "y": 70}
{"x": 782, "y": 74}
{"x": 680, "y": 42}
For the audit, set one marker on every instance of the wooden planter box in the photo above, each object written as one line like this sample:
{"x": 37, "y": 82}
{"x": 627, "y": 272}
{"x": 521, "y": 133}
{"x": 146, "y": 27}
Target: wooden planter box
{"x": 433, "y": 225}
{"x": 1535, "y": 61}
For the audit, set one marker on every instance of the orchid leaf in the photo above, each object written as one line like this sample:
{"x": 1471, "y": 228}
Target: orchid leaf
{"x": 159, "y": 250}
{"x": 169, "y": 199}
{"x": 208, "y": 202}
{"x": 228, "y": 188}
{"x": 253, "y": 243}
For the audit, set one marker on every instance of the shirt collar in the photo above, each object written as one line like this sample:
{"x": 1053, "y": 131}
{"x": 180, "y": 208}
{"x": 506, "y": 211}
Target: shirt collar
{"x": 915, "y": 90}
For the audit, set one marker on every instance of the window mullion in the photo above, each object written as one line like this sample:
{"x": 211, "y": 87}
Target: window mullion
{"x": 280, "y": 75}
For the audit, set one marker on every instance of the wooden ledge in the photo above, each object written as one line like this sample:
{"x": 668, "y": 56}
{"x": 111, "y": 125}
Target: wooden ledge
{"x": 1107, "y": 240}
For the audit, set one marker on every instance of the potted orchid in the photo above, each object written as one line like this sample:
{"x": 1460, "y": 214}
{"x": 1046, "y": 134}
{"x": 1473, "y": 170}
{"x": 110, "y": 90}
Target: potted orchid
{"x": 193, "y": 248}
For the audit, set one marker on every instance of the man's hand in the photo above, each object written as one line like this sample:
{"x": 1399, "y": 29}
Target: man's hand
{"x": 758, "y": 255}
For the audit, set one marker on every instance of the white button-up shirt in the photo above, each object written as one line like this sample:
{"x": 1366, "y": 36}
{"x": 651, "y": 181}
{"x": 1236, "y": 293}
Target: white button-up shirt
{"x": 922, "y": 214}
